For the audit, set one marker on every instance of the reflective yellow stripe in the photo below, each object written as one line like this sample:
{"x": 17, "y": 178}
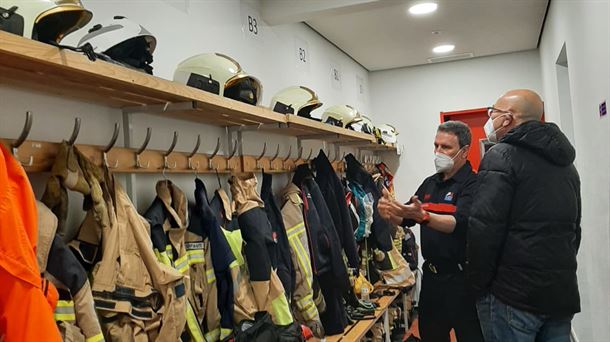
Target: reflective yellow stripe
{"x": 65, "y": 304}
{"x": 224, "y": 333}
{"x": 293, "y": 228}
{"x": 182, "y": 264}
{"x": 163, "y": 258}
{"x": 281, "y": 311}
{"x": 392, "y": 262}
{"x": 234, "y": 264}
{"x": 193, "y": 325}
{"x": 97, "y": 338}
{"x": 213, "y": 335}
{"x": 235, "y": 241}
{"x": 305, "y": 300}
{"x": 195, "y": 257}
{"x": 303, "y": 257}
{"x": 311, "y": 312}
{"x": 210, "y": 276}
{"x": 64, "y": 311}
{"x": 65, "y": 317}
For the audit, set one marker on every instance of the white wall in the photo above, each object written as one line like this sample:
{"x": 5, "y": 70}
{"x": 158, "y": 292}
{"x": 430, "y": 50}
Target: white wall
{"x": 412, "y": 99}
{"x": 184, "y": 28}
{"x": 583, "y": 27}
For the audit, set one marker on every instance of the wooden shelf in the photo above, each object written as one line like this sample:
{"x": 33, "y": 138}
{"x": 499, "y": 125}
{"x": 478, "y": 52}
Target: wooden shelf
{"x": 29, "y": 64}
{"x": 357, "y": 331}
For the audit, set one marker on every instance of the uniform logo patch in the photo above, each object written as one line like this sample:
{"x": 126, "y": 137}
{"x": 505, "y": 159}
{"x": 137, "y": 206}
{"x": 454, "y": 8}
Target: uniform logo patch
{"x": 449, "y": 196}
{"x": 427, "y": 197}
{"x": 190, "y": 246}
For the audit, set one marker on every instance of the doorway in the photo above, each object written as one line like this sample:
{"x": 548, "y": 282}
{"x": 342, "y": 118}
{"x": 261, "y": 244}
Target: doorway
{"x": 564, "y": 95}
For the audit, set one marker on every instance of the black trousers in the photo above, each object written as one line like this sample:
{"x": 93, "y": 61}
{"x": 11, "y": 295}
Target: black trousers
{"x": 445, "y": 304}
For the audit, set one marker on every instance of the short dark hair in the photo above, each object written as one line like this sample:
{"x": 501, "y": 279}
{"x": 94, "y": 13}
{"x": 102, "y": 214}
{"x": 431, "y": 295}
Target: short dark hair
{"x": 459, "y": 129}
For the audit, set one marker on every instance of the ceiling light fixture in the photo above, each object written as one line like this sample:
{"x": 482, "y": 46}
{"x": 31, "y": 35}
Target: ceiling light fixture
{"x": 423, "y": 8}
{"x": 443, "y": 48}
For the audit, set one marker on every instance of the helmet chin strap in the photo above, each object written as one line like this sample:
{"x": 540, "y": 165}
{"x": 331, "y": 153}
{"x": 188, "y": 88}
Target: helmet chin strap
{"x": 86, "y": 49}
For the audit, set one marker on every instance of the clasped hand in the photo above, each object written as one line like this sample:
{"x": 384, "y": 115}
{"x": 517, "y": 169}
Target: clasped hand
{"x": 394, "y": 211}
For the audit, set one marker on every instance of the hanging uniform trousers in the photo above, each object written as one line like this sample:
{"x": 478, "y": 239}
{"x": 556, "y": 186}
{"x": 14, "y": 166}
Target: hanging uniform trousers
{"x": 307, "y": 299}
{"x": 325, "y": 250}
{"x": 244, "y": 304}
{"x": 75, "y": 311}
{"x": 380, "y": 228}
{"x": 26, "y": 312}
{"x": 137, "y": 297}
{"x": 285, "y": 269}
{"x": 168, "y": 216}
{"x": 211, "y": 259}
{"x": 259, "y": 250}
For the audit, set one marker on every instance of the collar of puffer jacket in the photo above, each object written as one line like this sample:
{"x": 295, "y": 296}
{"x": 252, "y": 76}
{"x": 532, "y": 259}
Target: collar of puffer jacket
{"x": 544, "y": 139}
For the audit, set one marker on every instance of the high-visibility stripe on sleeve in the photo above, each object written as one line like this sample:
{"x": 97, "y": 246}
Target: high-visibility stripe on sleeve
{"x": 210, "y": 276}
{"x": 195, "y": 257}
{"x": 213, "y": 335}
{"x": 224, "y": 333}
{"x": 281, "y": 311}
{"x": 64, "y": 311}
{"x": 97, "y": 338}
{"x": 182, "y": 264}
{"x": 193, "y": 325}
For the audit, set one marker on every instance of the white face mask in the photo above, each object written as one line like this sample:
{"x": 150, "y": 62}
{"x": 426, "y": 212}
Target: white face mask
{"x": 490, "y": 131}
{"x": 443, "y": 162}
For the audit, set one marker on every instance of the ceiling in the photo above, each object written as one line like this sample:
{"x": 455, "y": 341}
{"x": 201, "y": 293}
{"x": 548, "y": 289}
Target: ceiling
{"x": 381, "y": 34}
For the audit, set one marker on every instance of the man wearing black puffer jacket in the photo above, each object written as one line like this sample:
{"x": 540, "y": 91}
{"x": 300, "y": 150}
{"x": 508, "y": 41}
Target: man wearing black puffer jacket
{"x": 525, "y": 226}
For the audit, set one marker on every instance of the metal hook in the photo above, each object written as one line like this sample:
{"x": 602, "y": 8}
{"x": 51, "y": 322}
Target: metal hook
{"x": 287, "y": 157}
{"x": 210, "y": 157}
{"x": 258, "y": 160}
{"x": 24, "y": 134}
{"x": 190, "y": 156}
{"x": 75, "y": 132}
{"x": 274, "y": 158}
{"x": 110, "y": 145}
{"x": 231, "y": 155}
{"x": 142, "y": 148}
{"x": 169, "y": 151}
{"x": 310, "y": 154}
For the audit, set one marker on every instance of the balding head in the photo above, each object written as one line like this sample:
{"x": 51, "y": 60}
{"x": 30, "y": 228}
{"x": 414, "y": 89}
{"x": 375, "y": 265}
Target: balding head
{"x": 524, "y": 104}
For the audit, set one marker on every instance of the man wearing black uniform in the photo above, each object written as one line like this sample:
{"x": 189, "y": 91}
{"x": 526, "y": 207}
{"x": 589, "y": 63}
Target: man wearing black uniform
{"x": 441, "y": 206}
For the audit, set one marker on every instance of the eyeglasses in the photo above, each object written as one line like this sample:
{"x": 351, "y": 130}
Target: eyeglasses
{"x": 491, "y": 110}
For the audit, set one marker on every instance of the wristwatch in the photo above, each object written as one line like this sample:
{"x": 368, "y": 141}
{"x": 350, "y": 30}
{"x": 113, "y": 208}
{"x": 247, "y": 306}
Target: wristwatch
{"x": 425, "y": 219}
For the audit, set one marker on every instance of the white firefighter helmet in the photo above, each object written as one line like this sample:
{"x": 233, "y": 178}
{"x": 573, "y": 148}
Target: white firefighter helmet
{"x": 339, "y": 115}
{"x": 219, "y": 74}
{"x": 362, "y": 123}
{"x": 124, "y": 41}
{"x": 388, "y": 134}
{"x": 295, "y": 100}
{"x": 48, "y": 21}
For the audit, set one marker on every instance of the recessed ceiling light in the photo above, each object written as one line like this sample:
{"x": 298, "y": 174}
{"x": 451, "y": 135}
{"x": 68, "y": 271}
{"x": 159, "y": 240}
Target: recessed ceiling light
{"x": 423, "y": 8}
{"x": 443, "y": 48}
